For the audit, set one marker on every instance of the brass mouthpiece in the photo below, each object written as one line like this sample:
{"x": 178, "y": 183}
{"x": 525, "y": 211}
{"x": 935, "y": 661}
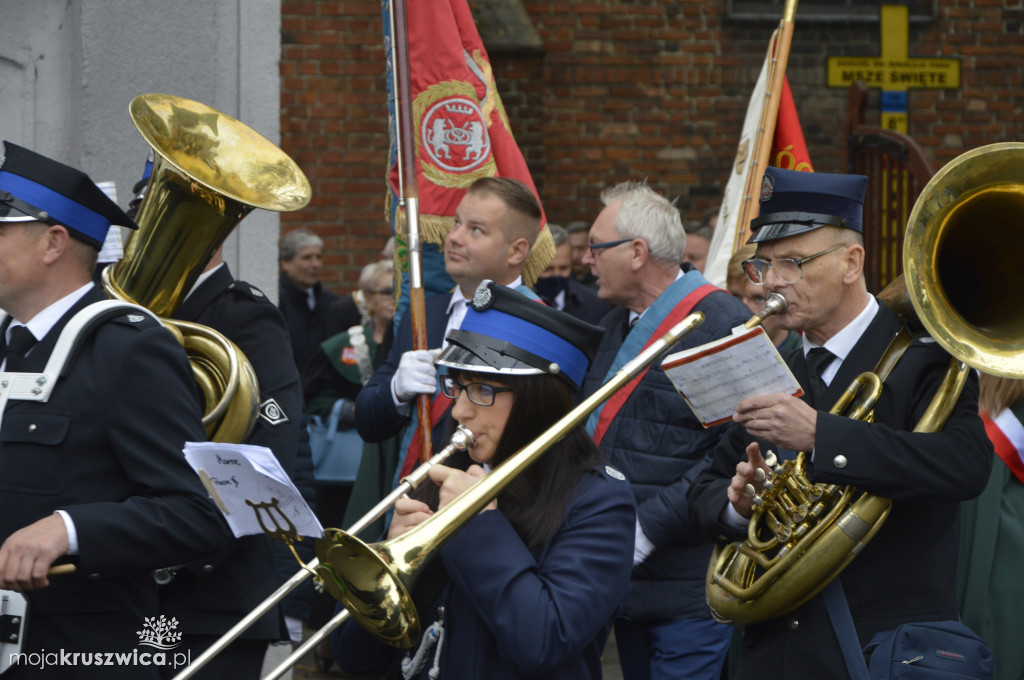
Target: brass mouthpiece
{"x": 775, "y": 304}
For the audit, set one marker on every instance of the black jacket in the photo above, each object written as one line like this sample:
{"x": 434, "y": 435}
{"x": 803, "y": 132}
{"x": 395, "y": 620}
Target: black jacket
{"x": 908, "y": 570}
{"x": 209, "y": 597}
{"x": 106, "y": 447}
{"x": 306, "y": 328}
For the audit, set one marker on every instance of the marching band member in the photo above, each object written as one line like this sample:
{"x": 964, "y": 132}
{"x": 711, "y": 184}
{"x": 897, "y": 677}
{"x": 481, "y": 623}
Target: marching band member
{"x": 95, "y": 474}
{"x": 810, "y": 249}
{"x": 528, "y": 587}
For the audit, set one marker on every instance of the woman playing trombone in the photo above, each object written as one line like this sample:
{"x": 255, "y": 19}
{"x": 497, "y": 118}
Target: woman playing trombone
{"x": 528, "y": 587}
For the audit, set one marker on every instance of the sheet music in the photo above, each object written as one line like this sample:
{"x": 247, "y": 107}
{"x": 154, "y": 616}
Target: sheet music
{"x": 714, "y": 377}
{"x": 236, "y": 473}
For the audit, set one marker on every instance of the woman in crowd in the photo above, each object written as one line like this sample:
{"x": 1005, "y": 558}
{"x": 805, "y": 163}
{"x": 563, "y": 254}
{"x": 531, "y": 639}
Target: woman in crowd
{"x": 528, "y": 587}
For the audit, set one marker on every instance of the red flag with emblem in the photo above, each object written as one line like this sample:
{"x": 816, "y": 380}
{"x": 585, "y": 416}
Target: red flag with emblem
{"x": 460, "y": 126}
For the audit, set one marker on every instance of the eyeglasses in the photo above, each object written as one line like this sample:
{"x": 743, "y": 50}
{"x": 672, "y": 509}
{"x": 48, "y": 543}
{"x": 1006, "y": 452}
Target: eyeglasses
{"x": 382, "y": 291}
{"x": 480, "y": 394}
{"x": 788, "y": 269}
{"x": 607, "y": 244}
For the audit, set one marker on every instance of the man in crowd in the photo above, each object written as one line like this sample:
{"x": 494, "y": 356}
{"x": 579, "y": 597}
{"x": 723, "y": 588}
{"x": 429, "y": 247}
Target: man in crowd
{"x": 496, "y": 225}
{"x": 753, "y": 295}
{"x": 579, "y": 238}
{"x": 301, "y": 296}
{"x": 810, "y": 249}
{"x": 698, "y": 241}
{"x": 664, "y": 629}
{"x": 560, "y": 289}
{"x": 92, "y": 472}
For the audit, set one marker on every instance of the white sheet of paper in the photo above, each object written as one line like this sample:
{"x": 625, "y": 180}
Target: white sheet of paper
{"x": 726, "y": 371}
{"x": 236, "y": 473}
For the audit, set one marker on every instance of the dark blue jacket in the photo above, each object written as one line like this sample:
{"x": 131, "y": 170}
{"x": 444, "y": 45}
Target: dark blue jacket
{"x": 514, "y": 613}
{"x": 660, "y": 446}
{"x": 377, "y": 417}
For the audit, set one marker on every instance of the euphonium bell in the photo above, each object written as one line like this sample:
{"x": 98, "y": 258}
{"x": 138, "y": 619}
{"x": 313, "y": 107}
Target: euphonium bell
{"x": 209, "y": 172}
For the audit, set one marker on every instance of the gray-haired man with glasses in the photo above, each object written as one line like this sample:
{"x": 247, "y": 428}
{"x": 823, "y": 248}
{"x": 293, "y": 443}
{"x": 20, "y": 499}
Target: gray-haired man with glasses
{"x": 664, "y": 629}
{"x": 810, "y": 250}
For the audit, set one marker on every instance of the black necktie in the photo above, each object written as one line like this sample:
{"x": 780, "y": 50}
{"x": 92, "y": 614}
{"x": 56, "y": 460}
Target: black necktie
{"x": 627, "y": 325}
{"x": 21, "y": 342}
{"x": 817, "y": 359}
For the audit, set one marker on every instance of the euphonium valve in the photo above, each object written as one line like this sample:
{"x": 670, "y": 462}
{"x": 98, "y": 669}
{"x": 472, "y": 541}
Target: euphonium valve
{"x": 209, "y": 172}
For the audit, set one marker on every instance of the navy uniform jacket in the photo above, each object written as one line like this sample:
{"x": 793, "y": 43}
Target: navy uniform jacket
{"x": 210, "y": 597}
{"x": 515, "y": 613}
{"x": 908, "y": 571}
{"x": 106, "y": 448}
{"x": 377, "y": 417}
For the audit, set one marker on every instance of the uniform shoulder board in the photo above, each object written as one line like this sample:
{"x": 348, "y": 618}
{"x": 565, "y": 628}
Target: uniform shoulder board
{"x": 613, "y": 473}
{"x": 134, "y": 319}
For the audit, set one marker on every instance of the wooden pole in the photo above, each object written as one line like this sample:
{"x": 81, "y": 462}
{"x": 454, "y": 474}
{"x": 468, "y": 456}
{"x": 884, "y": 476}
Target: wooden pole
{"x": 410, "y": 199}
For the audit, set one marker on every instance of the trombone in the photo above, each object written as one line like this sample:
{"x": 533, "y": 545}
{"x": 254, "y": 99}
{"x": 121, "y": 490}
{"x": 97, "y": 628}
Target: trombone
{"x": 344, "y": 563}
{"x": 373, "y": 581}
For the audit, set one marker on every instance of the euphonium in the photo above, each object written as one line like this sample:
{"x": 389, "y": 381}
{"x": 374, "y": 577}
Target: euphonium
{"x": 961, "y": 261}
{"x": 209, "y": 172}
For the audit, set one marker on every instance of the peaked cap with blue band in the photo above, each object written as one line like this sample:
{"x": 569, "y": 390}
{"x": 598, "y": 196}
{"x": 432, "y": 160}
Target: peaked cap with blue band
{"x": 506, "y": 332}
{"x": 36, "y": 188}
{"x": 794, "y": 202}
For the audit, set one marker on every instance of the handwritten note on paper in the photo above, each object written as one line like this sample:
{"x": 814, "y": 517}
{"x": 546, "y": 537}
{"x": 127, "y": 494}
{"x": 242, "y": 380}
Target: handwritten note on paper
{"x": 251, "y": 489}
{"x": 713, "y": 378}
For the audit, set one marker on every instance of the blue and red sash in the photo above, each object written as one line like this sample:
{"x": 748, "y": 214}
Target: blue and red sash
{"x": 670, "y": 308}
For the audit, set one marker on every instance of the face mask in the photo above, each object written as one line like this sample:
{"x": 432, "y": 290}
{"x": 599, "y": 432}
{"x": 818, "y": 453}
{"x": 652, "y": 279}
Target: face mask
{"x": 551, "y": 286}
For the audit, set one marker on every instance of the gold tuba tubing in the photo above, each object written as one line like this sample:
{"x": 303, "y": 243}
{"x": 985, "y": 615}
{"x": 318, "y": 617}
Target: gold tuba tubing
{"x": 209, "y": 172}
{"x": 373, "y": 581}
{"x": 961, "y": 254}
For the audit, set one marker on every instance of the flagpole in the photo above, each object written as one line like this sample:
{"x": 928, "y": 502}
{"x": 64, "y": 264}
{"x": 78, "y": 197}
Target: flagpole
{"x": 782, "y": 38}
{"x": 410, "y": 198}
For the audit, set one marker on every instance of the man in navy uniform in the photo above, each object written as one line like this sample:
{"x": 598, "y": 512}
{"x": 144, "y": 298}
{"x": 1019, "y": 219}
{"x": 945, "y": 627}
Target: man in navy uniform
{"x": 810, "y": 250}
{"x": 496, "y": 225}
{"x": 94, "y": 474}
{"x": 210, "y": 597}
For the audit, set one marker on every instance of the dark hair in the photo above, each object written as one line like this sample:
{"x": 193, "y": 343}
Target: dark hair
{"x": 535, "y": 501}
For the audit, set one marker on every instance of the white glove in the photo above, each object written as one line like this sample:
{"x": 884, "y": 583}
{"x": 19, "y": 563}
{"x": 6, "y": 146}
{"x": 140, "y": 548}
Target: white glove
{"x": 416, "y": 374}
{"x": 643, "y": 546}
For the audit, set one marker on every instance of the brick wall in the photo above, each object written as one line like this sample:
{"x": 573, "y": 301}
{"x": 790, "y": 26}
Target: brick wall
{"x": 630, "y": 89}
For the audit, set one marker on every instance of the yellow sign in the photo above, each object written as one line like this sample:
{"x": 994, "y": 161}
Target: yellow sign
{"x": 894, "y": 72}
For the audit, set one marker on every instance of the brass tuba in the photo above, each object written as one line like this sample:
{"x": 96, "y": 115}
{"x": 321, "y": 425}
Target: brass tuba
{"x": 209, "y": 172}
{"x": 961, "y": 265}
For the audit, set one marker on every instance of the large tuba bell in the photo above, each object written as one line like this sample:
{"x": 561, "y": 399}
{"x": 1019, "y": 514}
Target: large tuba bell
{"x": 961, "y": 259}
{"x": 209, "y": 172}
